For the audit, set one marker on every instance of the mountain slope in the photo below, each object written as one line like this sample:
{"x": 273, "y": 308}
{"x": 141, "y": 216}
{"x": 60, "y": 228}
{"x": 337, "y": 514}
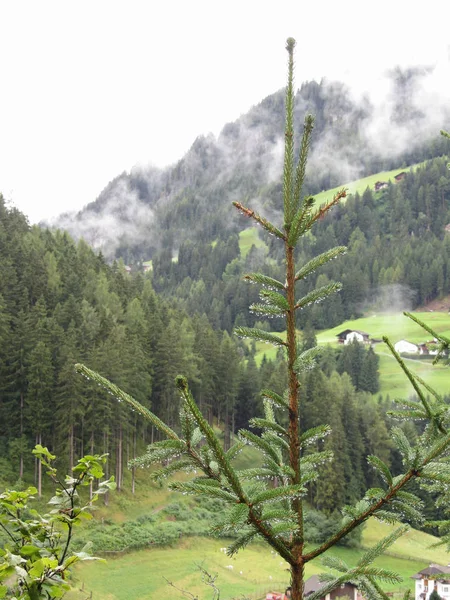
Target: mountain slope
{"x": 148, "y": 209}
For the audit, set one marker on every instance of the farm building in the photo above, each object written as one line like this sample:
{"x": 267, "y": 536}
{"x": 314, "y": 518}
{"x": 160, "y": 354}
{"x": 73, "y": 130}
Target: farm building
{"x": 348, "y": 590}
{"x": 349, "y": 335}
{"x": 400, "y": 176}
{"x": 405, "y": 347}
{"x": 434, "y": 577}
{"x": 313, "y": 584}
{"x": 380, "y": 185}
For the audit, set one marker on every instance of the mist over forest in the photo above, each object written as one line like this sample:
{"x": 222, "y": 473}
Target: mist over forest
{"x": 357, "y": 133}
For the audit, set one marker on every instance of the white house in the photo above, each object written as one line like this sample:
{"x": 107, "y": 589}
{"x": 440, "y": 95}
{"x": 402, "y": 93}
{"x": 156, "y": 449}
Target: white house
{"x": 434, "y": 577}
{"x": 405, "y": 347}
{"x": 349, "y": 335}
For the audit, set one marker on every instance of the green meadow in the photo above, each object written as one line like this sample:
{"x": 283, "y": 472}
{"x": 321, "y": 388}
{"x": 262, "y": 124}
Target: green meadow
{"x": 359, "y": 185}
{"x": 144, "y": 575}
{"x": 396, "y": 327}
{"x": 250, "y": 237}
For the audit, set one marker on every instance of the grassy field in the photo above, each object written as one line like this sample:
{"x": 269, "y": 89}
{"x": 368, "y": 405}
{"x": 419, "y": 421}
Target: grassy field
{"x": 359, "y": 185}
{"x": 249, "y": 237}
{"x": 396, "y": 327}
{"x": 256, "y": 570}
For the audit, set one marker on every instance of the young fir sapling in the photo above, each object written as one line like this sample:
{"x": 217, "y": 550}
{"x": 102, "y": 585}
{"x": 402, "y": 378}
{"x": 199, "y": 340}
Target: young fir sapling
{"x": 268, "y": 502}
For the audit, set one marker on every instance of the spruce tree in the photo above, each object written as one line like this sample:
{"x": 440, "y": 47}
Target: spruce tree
{"x": 268, "y": 502}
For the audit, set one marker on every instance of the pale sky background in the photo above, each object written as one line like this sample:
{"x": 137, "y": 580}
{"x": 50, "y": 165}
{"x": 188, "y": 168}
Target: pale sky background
{"x": 90, "y": 88}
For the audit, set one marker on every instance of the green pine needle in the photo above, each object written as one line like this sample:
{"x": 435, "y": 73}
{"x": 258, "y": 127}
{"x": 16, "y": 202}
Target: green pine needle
{"x": 259, "y": 335}
{"x": 264, "y": 280}
{"x": 318, "y": 261}
{"x": 318, "y": 295}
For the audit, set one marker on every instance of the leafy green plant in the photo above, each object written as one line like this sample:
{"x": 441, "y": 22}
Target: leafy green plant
{"x": 36, "y": 558}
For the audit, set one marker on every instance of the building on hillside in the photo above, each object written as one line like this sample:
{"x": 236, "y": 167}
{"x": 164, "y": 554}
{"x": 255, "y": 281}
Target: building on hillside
{"x": 380, "y": 185}
{"x": 349, "y": 335}
{"x": 405, "y": 347}
{"x": 434, "y": 577}
{"x": 425, "y": 348}
{"x": 347, "y": 590}
{"x": 400, "y": 176}
{"x": 313, "y": 584}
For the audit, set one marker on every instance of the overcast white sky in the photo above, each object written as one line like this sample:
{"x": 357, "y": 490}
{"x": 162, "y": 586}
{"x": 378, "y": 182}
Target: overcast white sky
{"x": 90, "y": 88}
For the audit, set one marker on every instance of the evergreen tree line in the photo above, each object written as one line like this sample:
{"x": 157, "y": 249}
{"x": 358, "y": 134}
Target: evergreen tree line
{"x": 61, "y": 303}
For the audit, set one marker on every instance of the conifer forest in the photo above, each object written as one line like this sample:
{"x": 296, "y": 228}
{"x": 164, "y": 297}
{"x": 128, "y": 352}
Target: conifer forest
{"x": 145, "y": 353}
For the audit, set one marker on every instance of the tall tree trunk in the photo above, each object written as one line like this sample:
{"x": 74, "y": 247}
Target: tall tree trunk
{"x": 71, "y": 453}
{"x": 91, "y": 491}
{"x": 21, "y": 436}
{"x": 133, "y": 470}
{"x": 39, "y": 469}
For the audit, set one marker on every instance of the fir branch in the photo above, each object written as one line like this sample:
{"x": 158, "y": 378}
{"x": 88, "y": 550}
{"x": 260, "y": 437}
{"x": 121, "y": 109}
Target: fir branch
{"x": 261, "y": 220}
{"x": 336, "y": 563}
{"x": 264, "y": 280}
{"x": 115, "y": 391}
{"x": 242, "y": 541}
{"x": 316, "y": 459}
{"x": 259, "y": 335}
{"x": 174, "y": 467}
{"x": 279, "y": 443}
{"x": 318, "y": 295}
{"x": 307, "y": 360}
{"x": 256, "y": 473}
{"x": 302, "y": 220}
{"x": 288, "y": 170}
{"x": 212, "y": 441}
{"x": 386, "y": 516}
{"x": 200, "y": 489}
{"x": 268, "y": 310}
{"x": 254, "y": 440}
{"x": 444, "y": 342}
{"x": 368, "y": 557}
{"x": 308, "y": 127}
{"x": 235, "y": 519}
{"x": 278, "y": 514}
{"x": 274, "y": 299}
{"x": 318, "y": 261}
{"x": 270, "y": 425}
{"x": 381, "y": 467}
{"x": 275, "y": 398}
{"x": 234, "y": 450}
{"x": 329, "y": 205}
{"x": 408, "y": 414}
{"x": 311, "y": 436}
{"x": 410, "y": 376}
{"x": 432, "y": 391}
{"x": 281, "y": 493}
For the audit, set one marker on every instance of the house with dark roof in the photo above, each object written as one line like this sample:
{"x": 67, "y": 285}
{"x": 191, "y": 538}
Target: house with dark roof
{"x": 348, "y": 590}
{"x": 349, "y": 335}
{"x": 400, "y": 176}
{"x": 434, "y": 577}
{"x": 380, "y": 185}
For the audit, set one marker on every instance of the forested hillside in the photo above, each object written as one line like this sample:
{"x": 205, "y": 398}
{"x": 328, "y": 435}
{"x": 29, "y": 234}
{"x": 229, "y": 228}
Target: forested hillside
{"x": 398, "y": 257}
{"x": 60, "y": 303}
